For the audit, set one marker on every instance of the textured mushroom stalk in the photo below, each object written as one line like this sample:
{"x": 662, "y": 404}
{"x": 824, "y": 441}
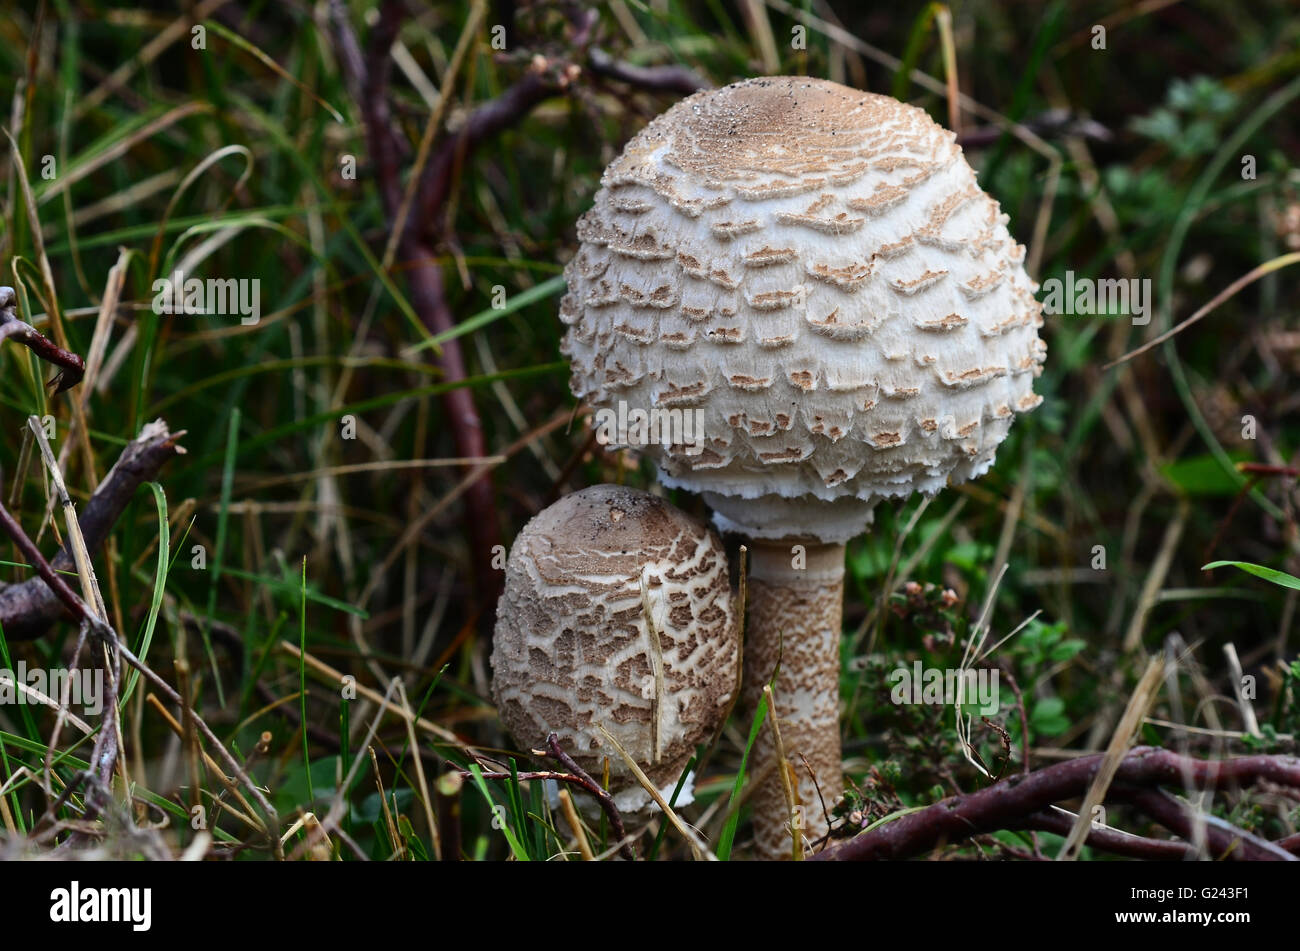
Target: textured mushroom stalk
{"x": 794, "y": 616}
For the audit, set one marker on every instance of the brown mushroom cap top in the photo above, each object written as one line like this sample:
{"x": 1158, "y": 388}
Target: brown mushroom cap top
{"x": 616, "y": 611}
{"x": 816, "y": 271}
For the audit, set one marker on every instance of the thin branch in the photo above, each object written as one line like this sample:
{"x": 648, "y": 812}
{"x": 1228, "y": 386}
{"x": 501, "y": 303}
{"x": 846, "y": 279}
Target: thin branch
{"x": 1015, "y": 799}
{"x": 538, "y": 84}
{"x": 1224, "y": 840}
{"x": 71, "y": 367}
{"x": 424, "y": 271}
{"x": 602, "y": 796}
{"x": 676, "y": 79}
{"x": 425, "y": 228}
{"x": 28, "y": 609}
{"x": 1109, "y": 840}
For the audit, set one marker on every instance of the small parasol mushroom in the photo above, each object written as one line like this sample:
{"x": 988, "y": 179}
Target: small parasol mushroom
{"x": 616, "y": 612}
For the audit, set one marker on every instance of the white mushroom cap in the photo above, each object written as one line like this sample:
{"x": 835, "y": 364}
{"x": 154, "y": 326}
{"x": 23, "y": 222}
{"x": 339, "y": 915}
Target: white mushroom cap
{"x": 815, "y": 269}
{"x": 573, "y": 648}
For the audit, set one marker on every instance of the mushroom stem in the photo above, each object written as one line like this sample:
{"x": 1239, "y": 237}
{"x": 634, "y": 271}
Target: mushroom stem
{"x": 796, "y": 597}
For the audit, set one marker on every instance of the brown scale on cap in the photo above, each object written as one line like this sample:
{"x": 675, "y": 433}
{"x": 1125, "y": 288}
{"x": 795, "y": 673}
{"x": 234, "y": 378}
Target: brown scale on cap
{"x": 573, "y": 647}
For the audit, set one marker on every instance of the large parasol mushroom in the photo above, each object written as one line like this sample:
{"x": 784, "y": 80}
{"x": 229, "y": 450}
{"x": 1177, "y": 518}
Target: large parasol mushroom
{"x": 815, "y": 270}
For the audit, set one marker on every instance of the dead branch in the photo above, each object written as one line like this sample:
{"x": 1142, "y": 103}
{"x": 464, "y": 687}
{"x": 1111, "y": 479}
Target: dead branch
{"x": 1014, "y": 800}
{"x": 1224, "y": 841}
{"x": 1109, "y": 840}
{"x": 676, "y": 79}
{"x": 71, "y": 367}
{"x": 28, "y": 609}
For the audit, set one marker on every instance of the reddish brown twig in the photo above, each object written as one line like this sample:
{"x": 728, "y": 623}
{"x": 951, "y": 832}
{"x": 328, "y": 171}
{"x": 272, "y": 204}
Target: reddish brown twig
{"x": 1224, "y": 841}
{"x": 537, "y": 775}
{"x": 368, "y": 79}
{"x": 1267, "y": 469}
{"x": 1014, "y": 799}
{"x": 1110, "y": 840}
{"x": 71, "y": 367}
{"x": 425, "y": 228}
{"x": 540, "y": 83}
{"x": 1053, "y": 124}
{"x": 602, "y": 796}
{"x": 424, "y": 275}
{"x": 676, "y": 79}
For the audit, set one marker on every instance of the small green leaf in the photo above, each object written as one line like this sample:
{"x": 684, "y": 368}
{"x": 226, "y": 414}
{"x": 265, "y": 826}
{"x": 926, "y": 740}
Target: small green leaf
{"x": 1202, "y": 475}
{"x": 1048, "y": 718}
{"x": 1066, "y": 649}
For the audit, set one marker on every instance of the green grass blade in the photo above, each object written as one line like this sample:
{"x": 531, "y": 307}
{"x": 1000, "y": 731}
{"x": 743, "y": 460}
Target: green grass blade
{"x": 483, "y": 318}
{"x": 520, "y": 853}
{"x": 1259, "y": 571}
{"x": 733, "y": 808}
{"x": 159, "y": 586}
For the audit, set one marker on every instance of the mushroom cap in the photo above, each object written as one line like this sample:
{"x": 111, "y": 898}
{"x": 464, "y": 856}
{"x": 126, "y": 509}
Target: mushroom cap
{"x": 573, "y": 647}
{"x": 816, "y": 270}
